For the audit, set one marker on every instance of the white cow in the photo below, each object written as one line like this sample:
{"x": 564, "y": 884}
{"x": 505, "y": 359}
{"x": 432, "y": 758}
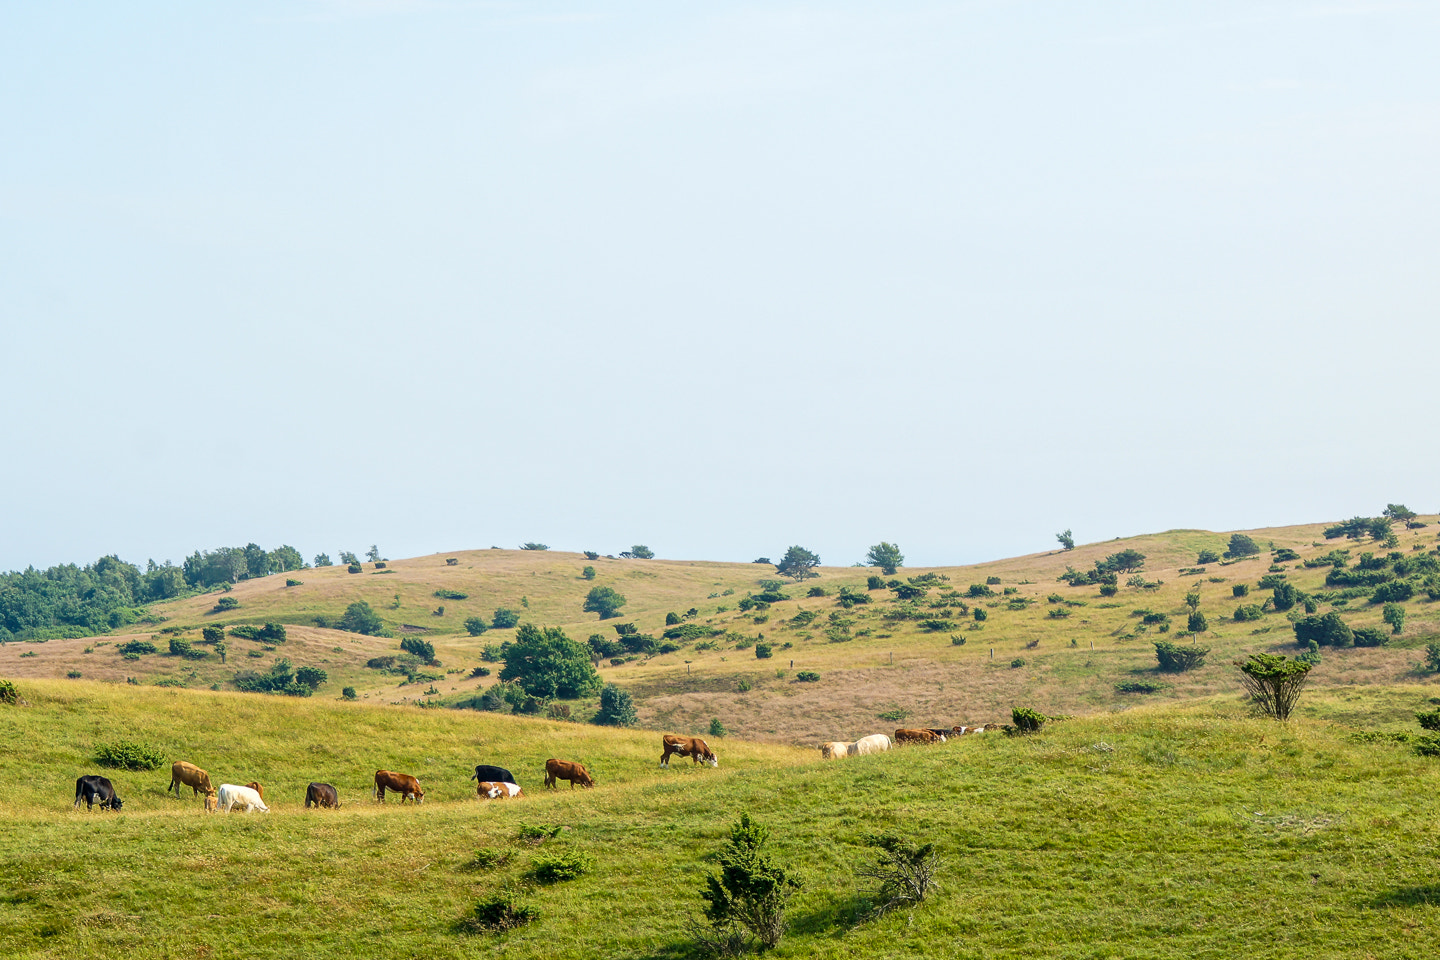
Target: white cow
{"x": 245, "y": 798}
{"x": 875, "y": 743}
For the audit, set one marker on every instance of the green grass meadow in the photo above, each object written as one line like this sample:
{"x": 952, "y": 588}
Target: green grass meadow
{"x": 1172, "y": 831}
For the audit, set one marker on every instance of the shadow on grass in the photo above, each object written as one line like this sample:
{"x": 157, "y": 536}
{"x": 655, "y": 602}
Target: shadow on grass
{"x": 1409, "y": 897}
{"x": 833, "y": 917}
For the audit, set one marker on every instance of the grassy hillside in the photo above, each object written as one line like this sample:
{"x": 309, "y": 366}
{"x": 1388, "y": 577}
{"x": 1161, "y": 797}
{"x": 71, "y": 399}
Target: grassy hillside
{"x": 1171, "y": 832}
{"x": 1045, "y": 644}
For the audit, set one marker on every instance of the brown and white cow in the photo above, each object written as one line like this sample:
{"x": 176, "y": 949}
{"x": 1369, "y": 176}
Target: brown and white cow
{"x": 498, "y": 789}
{"x": 189, "y": 775}
{"x": 835, "y": 749}
{"x": 693, "y": 747}
{"x": 253, "y": 785}
{"x": 401, "y": 783}
{"x": 566, "y": 770}
{"x": 916, "y": 736}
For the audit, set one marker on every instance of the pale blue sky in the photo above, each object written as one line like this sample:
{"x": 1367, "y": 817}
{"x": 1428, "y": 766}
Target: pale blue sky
{"x": 716, "y": 278}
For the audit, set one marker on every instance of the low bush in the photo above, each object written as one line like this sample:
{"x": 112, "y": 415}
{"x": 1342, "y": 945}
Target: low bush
{"x": 129, "y": 755}
{"x": 559, "y": 868}
{"x": 224, "y": 604}
{"x": 499, "y": 911}
{"x": 763, "y": 651}
{"x": 444, "y": 594}
{"x": 245, "y": 630}
{"x": 1370, "y": 637}
{"x": 1240, "y": 589}
{"x": 1026, "y": 720}
{"x": 8, "y": 694}
{"x": 354, "y": 568}
{"x": 806, "y": 676}
{"x": 1017, "y": 663}
{"x": 1177, "y": 659}
{"x": 136, "y": 647}
{"x": 291, "y": 582}
{"x": 1246, "y": 612}
{"x": 1141, "y": 686}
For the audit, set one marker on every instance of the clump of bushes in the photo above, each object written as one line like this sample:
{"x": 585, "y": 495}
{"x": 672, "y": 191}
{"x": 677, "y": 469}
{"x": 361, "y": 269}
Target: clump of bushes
{"x": 806, "y": 676}
{"x": 1174, "y": 658}
{"x": 8, "y": 694}
{"x": 129, "y": 755}
{"x": 1248, "y": 611}
{"x": 1026, "y": 720}
{"x": 559, "y": 868}
{"x": 763, "y": 651}
{"x": 444, "y": 594}
{"x": 136, "y": 647}
{"x": 1141, "y": 686}
{"x": 500, "y": 911}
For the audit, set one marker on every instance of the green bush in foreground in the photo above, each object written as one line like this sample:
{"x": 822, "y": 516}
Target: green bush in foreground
{"x": 8, "y": 694}
{"x": 751, "y": 891}
{"x": 128, "y": 755}
{"x": 500, "y": 911}
{"x": 906, "y": 872}
{"x": 559, "y": 868}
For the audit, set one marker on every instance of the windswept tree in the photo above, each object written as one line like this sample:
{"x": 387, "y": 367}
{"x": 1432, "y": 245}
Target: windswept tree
{"x": 798, "y": 563}
{"x": 617, "y": 708}
{"x": 1067, "y": 540}
{"x": 1400, "y": 512}
{"x": 641, "y": 552}
{"x": 1241, "y": 546}
{"x": 1274, "y": 682}
{"x": 886, "y": 556}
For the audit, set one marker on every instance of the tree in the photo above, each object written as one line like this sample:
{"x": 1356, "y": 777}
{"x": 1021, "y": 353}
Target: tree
{"x": 886, "y": 556}
{"x": 531, "y": 545}
{"x": 798, "y": 563}
{"x": 212, "y": 634}
{"x": 751, "y": 891}
{"x": 604, "y": 601}
{"x": 617, "y": 708}
{"x": 312, "y": 677}
{"x": 373, "y": 554}
{"x": 221, "y": 649}
{"x": 504, "y": 618}
{"x": 285, "y": 558}
{"x": 588, "y": 573}
{"x": 1197, "y": 622}
{"x": 642, "y": 552}
{"x": 1067, "y": 540}
{"x": 476, "y": 626}
{"x": 423, "y": 649}
{"x": 1126, "y": 561}
{"x": 1393, "y": 614}
{"x": 1207, "y": 556}
{"x": 1400, "y": 512}
{"x": 1176, "y": 659}
{"x": 548, "y": 664}
{"x": 322, "y": 560}
{"x": 360, "y": 617}
{"x": 1326, "y": 631}
{"x": 349, "y": 559}
{"x": 1241, "y": 546}
{"x": 1274, "y": 682}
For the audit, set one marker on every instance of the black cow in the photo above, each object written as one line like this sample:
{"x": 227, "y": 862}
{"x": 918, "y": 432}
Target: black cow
{"x": 95, "y": 788}
{"x": 493, "y": 774}
{"x": 321, "y": 795}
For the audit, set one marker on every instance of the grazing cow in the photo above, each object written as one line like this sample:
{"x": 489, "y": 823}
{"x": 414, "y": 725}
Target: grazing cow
{"x": 212, "y": 801}
{"x": 566, "y": 770}
{"x": 189, "y": 775}
{"x": 942, "y": 734}
{"x": 493, "y": 774}
{"x": 693, "y": 747}
{"x": 321, "y": 795}
{"x": 245, "y": 798}
{"x": 875, "y": 743}
{"x": 93, "y": 788}
{"x": 498, "y": 790}
{"x": 915, "y": 736}
{"x": 401, "y": 783}
{"x": 835, "y": 750}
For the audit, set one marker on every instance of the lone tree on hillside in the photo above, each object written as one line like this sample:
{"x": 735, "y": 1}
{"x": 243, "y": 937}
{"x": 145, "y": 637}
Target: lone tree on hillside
{"x": 617, "y": 708}
{"x": 641, "y": 552}
{"x": 1067, "y": 541}
{"x": 1241, "y": 546}
{"x": 548, "y": 664}
{"x": 1398, "y": 511}
{"x": 373, "y": 554}
{"x": 886, "y": 556}
{"x": 360, "y": 617}
{"x": 751, "y": 891}
{"x": 1274, "y": 682}
{"x": 798, "y": 563}
{"x": 604, "y": 601}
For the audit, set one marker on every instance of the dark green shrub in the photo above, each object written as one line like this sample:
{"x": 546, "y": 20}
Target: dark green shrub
{"x": 8, "y": 694}
{"x": 817, "y": 592}
{"x": 500, "y": 911}
{"x": 360, "y": 617}
{"x": 605, "y": 601}
{"x": 1286, "y": 555}
{"x": 1177, "y": 659}
{"x": 225, "y": 603}
{"x": 588, "y": 573}
{"x": 1393, "y": 591}
{"x": 559, "y": 868}
{"x": 348, "y": 693}
{"x": 245, "y": 631}
{"x": 905, "y": 869}
{"x": 1241, "y": 546}
{"x": 992, "y": 581}
{"x": 1286, "y": 595}
{"x": 763, "y": 651}
{"x": 136, "y": 647}
{"x": 180, "y": 647}
{"x": 980, "y": 614}
{"x": 273, "y": 633}
{"x": 1370, "y": 637}
{"x": 1240, "y": 590}
{"x": 874, "y": 583}
{"x": 591, "y": 555}
{"x": 444, "y": 594}
{"x": 1026, "y": 720}
{"x": 1273, "y": 682}
{"x": 979, "y": 590}
{"x": 423, "y": 649}
{"x": 129, "y": 755}
{"x": 1108, "y": 589}
{"x": 1017, "y": 663}
{"x": 1247, "y": 612}
{"x": 1141, "y": 686}
{"x": 1207, "y": 556}
{"x": 617, "y": 708}
{"x": 751, "y": 892}
{"x": 504, "y": 618}
{"x": 212, "y": 634}
{"x": 1432, "y": 657}
{"x": 354, "y": 568}
{"x": 1196, "y": 622}
{"x": 311, "y": 677}
{"x": 290, "y": 582}
{"x": 806, "y": 676}
{"x": 532, "y": 545}
{"x": 476, "y": 626}
{"x": 1430, "y": 720}
{"x": 1327, "y": 631}
{"x": 1394, "y": 614}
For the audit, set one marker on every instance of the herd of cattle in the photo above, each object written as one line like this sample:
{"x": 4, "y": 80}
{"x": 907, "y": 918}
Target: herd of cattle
{"x": 492, "y": 783}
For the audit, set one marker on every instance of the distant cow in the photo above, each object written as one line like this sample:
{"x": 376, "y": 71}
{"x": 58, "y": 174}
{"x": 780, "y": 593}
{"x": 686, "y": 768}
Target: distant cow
{"x": 245, "y": 798}
{"x": 693, "y": 747}
{"x": 401, "y": 783}
{"x": 566, "y": 770}
{"x": 494, "y": 774}
{"x": 942, "y": 733}
{"x": 93, "y": 788}
{"x": 321, "y": 795}
{"x": 966, "y": 731}
{"x": 189, "y": 775}
{"x": 875, "y": 743}
{"x": 498, "y": 790}
{"x": 915, "y": 736}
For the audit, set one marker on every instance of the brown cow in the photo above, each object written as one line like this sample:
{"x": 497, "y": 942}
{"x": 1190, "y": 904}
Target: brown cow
{"x": 566, "y": 770}
{"x": 189, "y": 775}
{"x": 916, "y": 736}
{"x": 322, "y": 795}
{"x": 257, "y": 788}
{"x": 498, "y": 789}
{"x": 693, "y": 747}
{"x": 401, "y": 783}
